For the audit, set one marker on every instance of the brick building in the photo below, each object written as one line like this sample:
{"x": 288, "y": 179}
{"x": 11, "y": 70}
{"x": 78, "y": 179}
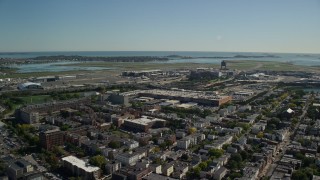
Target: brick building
{"x": 51, "y": 138}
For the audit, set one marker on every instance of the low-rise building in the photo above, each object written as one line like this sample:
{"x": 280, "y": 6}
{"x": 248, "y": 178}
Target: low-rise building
{"x": 153, "y": 176}
{"x": 78, "y": 167}
{"x": 18, "y": 169}
{"x": 131, "y": 144}
{"x": 128, "y": 158}
{"x": 180, "y": 169}
{"x": 250, "y": 173}
{"x": 220, "y": 173}
{"x": 167, "y": 169}
{"x": 130, "y": 173}
{"x": 112, "y": 167}
{"x": 258, "y": 127}
{"x": 143, "y": 124}
{"x": 156, "y": 168}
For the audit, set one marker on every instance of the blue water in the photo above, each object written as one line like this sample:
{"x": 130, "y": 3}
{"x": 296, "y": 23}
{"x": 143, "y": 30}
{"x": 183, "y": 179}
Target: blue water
{"x": 53, "y": 67}
{"x": 301, "y": 59}
{"x": 315, "y": 90}
{"x": 198, "y": 57}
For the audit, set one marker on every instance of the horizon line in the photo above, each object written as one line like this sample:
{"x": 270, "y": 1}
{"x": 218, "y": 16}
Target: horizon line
{"x": 156, "y": 51}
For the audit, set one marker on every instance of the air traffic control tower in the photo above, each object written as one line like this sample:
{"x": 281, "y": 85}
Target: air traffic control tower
{"x": 223, "y": 65}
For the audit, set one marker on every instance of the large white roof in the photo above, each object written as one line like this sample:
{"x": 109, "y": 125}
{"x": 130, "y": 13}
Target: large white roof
{"x": 23, "y": 85}
{"x": 290, "y": 110}
{"x": 80, "y": 164}
{"x": 144, "y": 120}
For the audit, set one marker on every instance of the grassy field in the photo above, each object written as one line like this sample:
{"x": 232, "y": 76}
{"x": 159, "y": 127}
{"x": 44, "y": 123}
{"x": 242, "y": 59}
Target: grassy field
{"x": 36, "y": 99}
{"x": 142, "y": 65}
{"x": 121, "y": 134}
{"x": 269, "y": 65}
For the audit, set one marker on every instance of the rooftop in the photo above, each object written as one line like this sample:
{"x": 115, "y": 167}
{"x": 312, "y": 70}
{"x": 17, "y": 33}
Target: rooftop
{"x": 180, "y": 93}
{"x": 144, "y": 120}
{"x": 23, "y": 85}
{"x": 80, "y": 164}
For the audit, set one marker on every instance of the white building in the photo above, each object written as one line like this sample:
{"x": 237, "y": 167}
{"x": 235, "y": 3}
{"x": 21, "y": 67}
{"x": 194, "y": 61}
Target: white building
{"x": 231, "y": 109}
{"x": 167, "y": 169}
{"x": 211, "y": 137}
{"x": 213, "y": 118}
{"x": 128, "y": 158}
{"x": 183, "y": 143}
{"x": 80, "y": 168}
{"x": 131, "y": 144}
{"x": 258, "y": 127}
{"x": 30, "y": 86}
{"x": 223, "y": 112}
{"x": 156, "y": 168}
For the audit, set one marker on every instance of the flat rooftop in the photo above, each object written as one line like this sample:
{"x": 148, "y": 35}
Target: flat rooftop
{"x": 178, "y": 93}
{"x": 144, "y": 120}
{"x": 80, "y": 164}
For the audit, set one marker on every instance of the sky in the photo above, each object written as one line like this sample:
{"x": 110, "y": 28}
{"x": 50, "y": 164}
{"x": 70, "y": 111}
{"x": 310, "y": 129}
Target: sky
{"x": 160, "y": 25}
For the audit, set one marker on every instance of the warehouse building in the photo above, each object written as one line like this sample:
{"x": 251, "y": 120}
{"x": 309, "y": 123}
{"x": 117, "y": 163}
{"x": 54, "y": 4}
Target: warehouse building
{"x": 184, "y": 96}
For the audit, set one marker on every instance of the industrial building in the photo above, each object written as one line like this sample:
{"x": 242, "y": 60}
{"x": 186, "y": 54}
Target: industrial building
{"x": 44, "y": 79}
{"x": 141, "y": 73}
{"x": 32, "y": 113}
{"x": 204, "y": 74}
{"x": 118, "y": 98}
{"x": 200, "y": 97}
{"x": 143, "y": 124}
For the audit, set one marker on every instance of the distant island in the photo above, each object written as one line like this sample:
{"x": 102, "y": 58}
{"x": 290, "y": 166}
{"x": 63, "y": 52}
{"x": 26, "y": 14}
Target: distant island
{"x": 241, "y": 56}
{"x": 181, "y": 57}
{"x": 224, "y": 57}
{"x": 46, "y": 59}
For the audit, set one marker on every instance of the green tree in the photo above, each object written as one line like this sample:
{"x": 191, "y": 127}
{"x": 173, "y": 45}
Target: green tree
{"x": 2, "y": 168}
{"x": 299, "y": 175}
{"x": 244, "y": 154}
{"x": 203, "y": 165}
{"x": 235, "y": 175}
{"x": 98, "y": 160}
{"x": 196, "y": 171}
{"x": 233, "y": 164}
{"x": 292, "y": 105}
{"x": 260, "y": 134}
{"x": 185, "y": 157}
{"x": 114, "y": 144}
{"x": 237, "y": 157}
{"x": 64, "y": 127}
{"x": 192, "y": 130}
{"x": 225, "y": 146}
{"x": 101, "y": 89}
{"x": 206, "y": 112}
{"x": 53, "y": 160}
{"x": 215, "y": 153}
{"x": 156, "y": 150}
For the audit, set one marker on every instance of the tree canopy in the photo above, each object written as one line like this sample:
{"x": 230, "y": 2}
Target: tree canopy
{"x": 98, "y": 160}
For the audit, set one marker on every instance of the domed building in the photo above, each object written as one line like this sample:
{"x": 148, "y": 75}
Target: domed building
{"x": 30, "y": 86}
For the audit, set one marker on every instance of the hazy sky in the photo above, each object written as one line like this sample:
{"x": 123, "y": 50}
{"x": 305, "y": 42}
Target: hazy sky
{"x": 160, "y": 25}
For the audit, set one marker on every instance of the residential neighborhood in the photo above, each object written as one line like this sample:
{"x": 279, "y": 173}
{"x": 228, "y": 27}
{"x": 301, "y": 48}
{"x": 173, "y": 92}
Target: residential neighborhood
{"x": 164, "y": 133}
